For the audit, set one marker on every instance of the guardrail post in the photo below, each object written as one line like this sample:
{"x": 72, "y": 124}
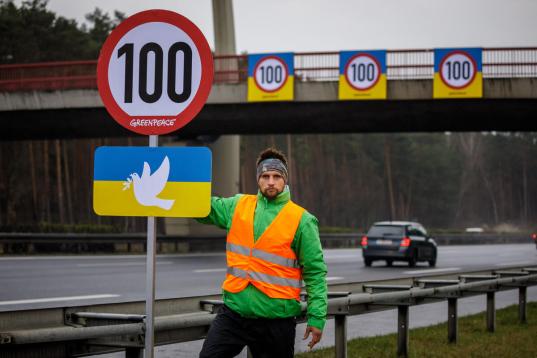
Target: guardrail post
{"x": 452, "y": 320}
{"x": 340, "y": 321}
{"x": 133, "y": 352}
{"x": 522, "y": 310}
{"x": 402, "y": 331}
{"x": 491, "y": 312}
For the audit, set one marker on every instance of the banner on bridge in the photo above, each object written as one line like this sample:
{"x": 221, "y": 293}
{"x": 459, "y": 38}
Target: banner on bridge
{"x": 152, "y": 181}
{"x": 362, "y": 75}
{"x": 271, "y": 77}
{"x": 458, "y": 73}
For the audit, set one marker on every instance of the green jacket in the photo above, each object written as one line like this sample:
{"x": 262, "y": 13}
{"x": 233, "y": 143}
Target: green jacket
{"x": 251, "y": 302}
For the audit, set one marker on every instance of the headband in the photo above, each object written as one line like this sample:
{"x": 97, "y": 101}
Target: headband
{"x": 272, "y": 164}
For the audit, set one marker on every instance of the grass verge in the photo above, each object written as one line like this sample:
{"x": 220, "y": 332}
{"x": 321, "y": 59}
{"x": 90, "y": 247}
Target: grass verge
{"x": 511, "y": 339}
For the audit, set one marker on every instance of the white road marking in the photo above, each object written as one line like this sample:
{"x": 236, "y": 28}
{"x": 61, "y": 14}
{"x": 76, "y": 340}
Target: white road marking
{"x": 56, "y": 299}
{"x": 433, "y": 270}
{"x": 508, "y": 254}
{"x": 516, "y": 263}
{"x": 337, "y": 257}
{"x": 121, "y": 264}
{"x": 105, "y": 257}
{"x": 210, "y": 270}
{"x": 334, "y": 278}
{"x": 70, "y": 257}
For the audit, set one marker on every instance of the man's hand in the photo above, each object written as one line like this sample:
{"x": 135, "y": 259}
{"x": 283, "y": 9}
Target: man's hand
{"x": 316, "y": 335}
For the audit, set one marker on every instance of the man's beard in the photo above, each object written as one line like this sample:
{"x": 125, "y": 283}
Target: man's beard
{"x": 270, "y": 194}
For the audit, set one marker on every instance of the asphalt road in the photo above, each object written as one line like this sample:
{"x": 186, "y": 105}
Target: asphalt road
{"x": 48, "y": 281}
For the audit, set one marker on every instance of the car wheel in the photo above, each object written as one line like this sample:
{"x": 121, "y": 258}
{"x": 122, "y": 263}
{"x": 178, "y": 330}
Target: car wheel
{"x": 412, "y": 260}
{"x": 389, "y": 263}
{"x": 367, "y": 262}
{"x": 432, "y": 262}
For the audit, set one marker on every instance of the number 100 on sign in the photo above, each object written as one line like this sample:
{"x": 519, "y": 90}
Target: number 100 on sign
{"x": 270, "y": 77}
{"x": 156, "y": 76}
{"x": 458, "y": 73}
{"x": 362, "y": 75}
{"x": 155, "y": 71}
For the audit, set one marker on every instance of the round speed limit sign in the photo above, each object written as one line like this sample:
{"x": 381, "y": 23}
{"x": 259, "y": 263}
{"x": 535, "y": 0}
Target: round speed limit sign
{"x": 362, "y": 72}
{"x": 155, "y": 72}
{"x": 271, "y": 73}
{"x": 458, "y": 69}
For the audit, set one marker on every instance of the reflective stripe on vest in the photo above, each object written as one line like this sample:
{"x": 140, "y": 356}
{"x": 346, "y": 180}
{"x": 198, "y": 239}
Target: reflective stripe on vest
{"x": 237, "y": 272}
{"x": 269, "y": 264}
{"x": 275, "y": 259}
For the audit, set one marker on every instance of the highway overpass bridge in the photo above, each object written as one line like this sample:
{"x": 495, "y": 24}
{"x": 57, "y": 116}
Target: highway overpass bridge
{"x": 60, "y": 100}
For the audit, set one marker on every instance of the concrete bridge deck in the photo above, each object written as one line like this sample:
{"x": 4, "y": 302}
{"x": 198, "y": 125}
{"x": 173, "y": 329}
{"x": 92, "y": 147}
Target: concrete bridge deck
{"x": 509, "y": 101}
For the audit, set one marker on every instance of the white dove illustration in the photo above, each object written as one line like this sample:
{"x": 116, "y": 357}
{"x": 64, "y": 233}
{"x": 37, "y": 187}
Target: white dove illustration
{"x": 148, "y": 186}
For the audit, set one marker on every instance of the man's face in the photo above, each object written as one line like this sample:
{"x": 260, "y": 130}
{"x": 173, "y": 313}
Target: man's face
{"x": 271, "y": 184}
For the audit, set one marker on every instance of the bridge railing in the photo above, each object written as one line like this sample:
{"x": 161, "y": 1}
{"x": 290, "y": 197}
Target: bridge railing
{"x": 77, "y": 329}
{"x": 510, "y": 63}
{"x": 309, "y": 66}
{"x": 48, "y": 76}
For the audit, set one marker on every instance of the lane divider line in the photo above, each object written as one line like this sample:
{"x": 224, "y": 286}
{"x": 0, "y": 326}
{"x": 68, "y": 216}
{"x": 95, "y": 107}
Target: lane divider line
{"x": 56, "y": 299}
{"x": 120, "y": 264}
{"x": 210, "y": 270}
{"x": 334, "y": 278}
{"x": 516, "y": 263}
{"x": 432, "y": 270}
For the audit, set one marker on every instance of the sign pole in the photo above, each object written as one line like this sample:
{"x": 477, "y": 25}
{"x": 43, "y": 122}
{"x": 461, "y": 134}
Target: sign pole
{"x": 133, "y": 105}
{"x": 150, "y": 275}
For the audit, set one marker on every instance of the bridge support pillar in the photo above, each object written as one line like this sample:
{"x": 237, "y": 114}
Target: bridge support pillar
{"x": 224, "y": 27}
{"x": 452, "y": 320}
{"x": 226, "y": 149}
{"x": 225, "y": 182}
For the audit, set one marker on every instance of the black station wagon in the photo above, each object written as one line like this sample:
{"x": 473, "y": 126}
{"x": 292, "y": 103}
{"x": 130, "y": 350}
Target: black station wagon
{"x": 398, "y": 241}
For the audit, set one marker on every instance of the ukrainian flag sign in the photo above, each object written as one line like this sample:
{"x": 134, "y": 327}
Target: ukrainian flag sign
{"x": 271, "y": 77}
{"x": 362, "y": 75}
{"x": 457, "y": 73}
{"x": 152, "y": 181}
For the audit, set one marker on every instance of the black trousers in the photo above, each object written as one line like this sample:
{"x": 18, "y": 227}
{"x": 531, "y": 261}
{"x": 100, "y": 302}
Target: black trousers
{"x": 266, "y": 338}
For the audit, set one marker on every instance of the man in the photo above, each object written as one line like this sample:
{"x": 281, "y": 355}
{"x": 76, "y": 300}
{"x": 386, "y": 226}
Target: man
{"x": 272, "y": 244}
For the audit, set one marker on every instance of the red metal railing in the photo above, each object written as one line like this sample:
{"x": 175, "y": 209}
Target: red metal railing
{"x": 309, "y": 66}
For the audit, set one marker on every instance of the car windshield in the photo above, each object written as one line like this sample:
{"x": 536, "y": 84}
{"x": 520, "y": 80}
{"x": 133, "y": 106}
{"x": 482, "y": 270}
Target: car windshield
{"x": 386, "y": 231}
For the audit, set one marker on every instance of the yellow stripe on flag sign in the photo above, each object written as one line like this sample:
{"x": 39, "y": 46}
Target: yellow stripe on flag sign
{"x": 111, "y": 199}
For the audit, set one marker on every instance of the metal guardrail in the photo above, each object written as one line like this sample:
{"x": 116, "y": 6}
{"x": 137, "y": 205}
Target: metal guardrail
{"x": 28, "y": 243}
{"x": 409, "y": 64}
{"x": 82, "y": 330}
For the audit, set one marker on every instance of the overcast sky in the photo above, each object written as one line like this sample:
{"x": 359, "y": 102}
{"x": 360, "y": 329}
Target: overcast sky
{"x": 333, "y": 25}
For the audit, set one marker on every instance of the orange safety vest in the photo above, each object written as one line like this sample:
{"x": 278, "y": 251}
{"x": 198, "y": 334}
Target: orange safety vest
{"x": 269, "y": 264}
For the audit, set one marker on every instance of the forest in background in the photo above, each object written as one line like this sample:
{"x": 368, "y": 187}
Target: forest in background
{"x": 446, "y": 181}
{"x": 32, "y": 33}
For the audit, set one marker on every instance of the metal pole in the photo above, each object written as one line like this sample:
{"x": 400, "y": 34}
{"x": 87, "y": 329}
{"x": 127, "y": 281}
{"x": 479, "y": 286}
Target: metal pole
{"x": 402, "y": 331}
{"x": 134, "y": 352}
{"x": 341, "y": 335}
{"x": 150, "y": 275}
{"x": 491, "y": 312}
{"x": 522, "y": 310}
{"x": 452, "y": 320}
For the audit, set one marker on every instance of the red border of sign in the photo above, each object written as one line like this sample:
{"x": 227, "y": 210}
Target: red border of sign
{"x": 374, "y": 60}
{"x": 455, "y": 53}
{"x": 277, "y": 58}
{"x": 172, "y": 18}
